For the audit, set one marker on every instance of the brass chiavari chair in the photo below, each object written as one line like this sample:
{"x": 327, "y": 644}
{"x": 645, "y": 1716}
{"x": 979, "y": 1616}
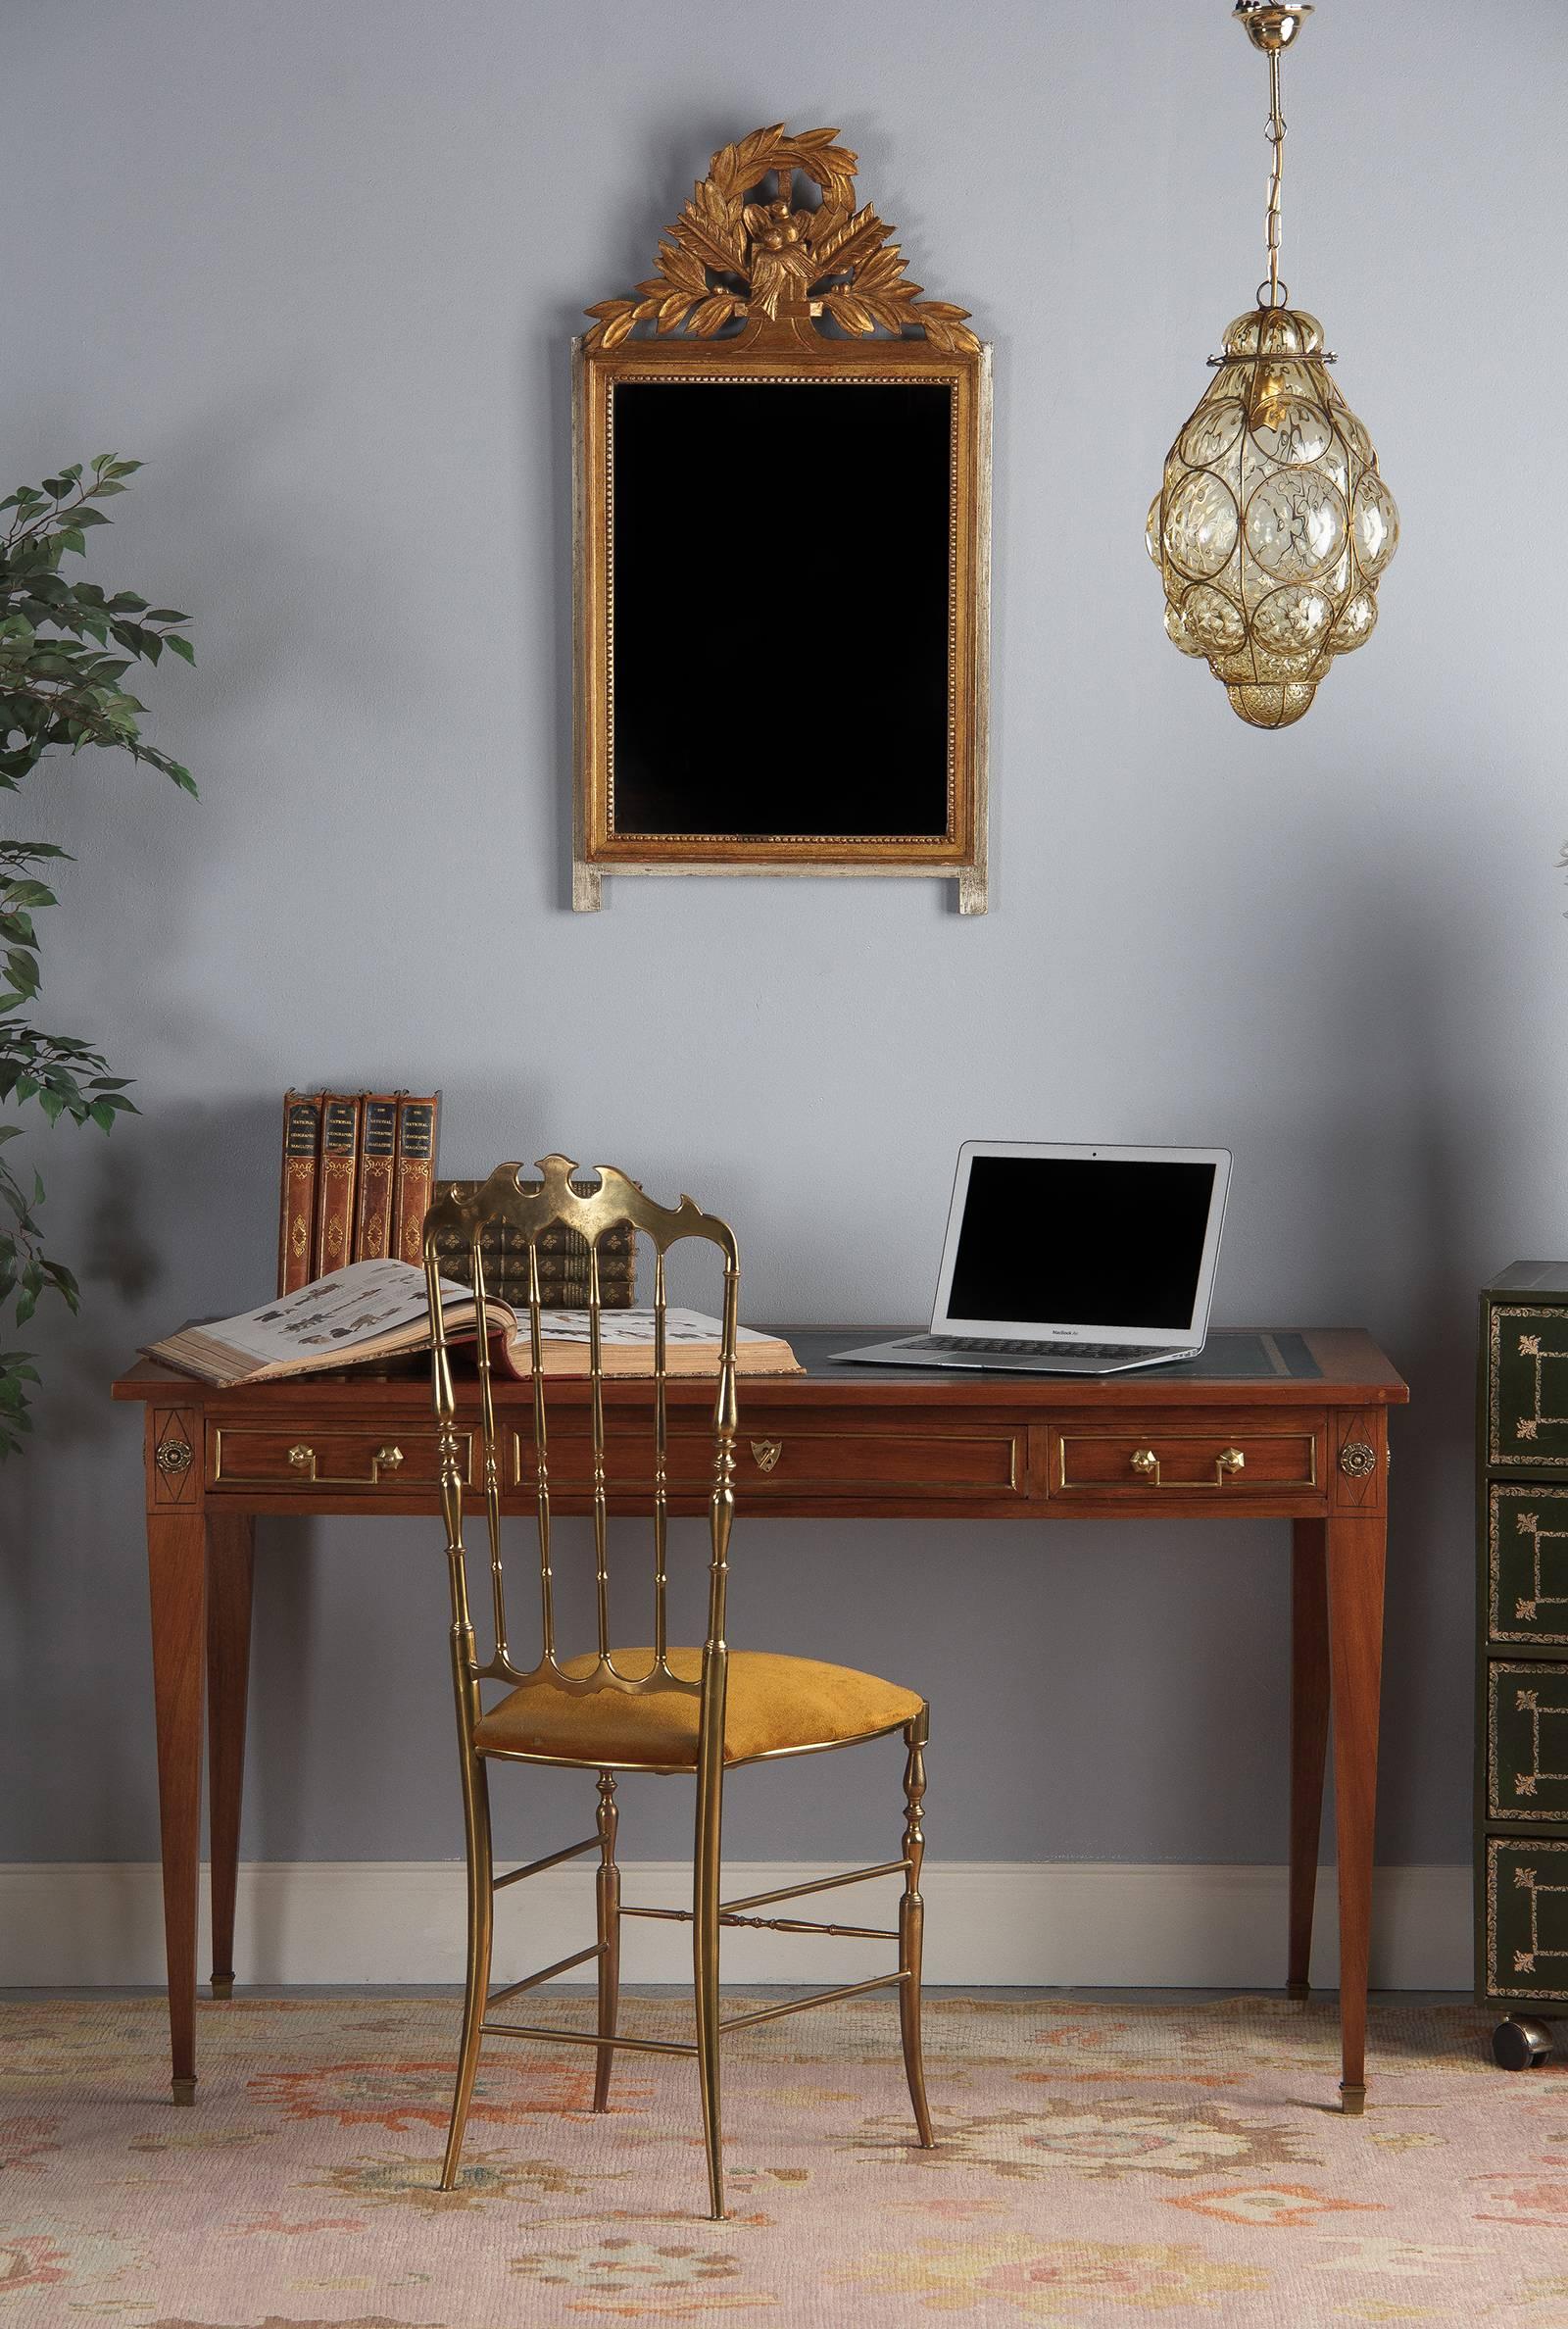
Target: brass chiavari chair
{"x": 695, "y": 1712}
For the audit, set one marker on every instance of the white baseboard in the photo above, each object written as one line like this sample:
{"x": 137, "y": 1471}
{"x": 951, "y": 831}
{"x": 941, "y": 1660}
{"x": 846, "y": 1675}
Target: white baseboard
{"x": 82, "y": 1924}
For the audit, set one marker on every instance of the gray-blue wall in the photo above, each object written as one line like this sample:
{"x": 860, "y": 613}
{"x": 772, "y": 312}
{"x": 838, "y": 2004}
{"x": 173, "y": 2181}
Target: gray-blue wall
{"x": 318, "y": 265}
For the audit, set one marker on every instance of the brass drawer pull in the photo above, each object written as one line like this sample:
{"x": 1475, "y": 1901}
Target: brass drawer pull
{"x": 245, "y": 1457}
{"x": 302, "y": 1459}
{"x": 765, "y": 1453}
{"x": 1226, "y": 1463}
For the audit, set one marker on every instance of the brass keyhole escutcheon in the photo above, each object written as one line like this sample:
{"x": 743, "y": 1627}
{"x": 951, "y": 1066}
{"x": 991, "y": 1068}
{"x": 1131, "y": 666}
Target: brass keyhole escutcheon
{"x": 765, "y": 1453}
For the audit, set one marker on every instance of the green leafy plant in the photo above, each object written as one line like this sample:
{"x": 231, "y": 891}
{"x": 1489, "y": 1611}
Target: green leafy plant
{"x": 65, "y": 648}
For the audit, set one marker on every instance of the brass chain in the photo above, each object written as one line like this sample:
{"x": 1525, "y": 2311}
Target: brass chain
{"x": 1278, "y": 293}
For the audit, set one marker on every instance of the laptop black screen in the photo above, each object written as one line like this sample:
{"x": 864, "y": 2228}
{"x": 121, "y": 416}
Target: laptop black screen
{"x": 1073, "y": 1241}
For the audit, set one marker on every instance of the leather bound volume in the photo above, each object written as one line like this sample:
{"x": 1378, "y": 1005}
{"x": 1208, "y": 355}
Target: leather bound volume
{"x": 415, "y": 1184}
{"x": 570, "y": 1254}
{"x": 302, "y": 1141}
{"x": 618, "y": 1247}
{"x": 563, "y": 1260}
{"x": 378, "y": 1159}
{"x": 507, "y": 1279}
{"x": 334, "y": 1212}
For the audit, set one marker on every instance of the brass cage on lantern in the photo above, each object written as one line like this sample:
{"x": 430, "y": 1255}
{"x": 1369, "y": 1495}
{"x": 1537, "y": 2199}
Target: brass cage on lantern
{"x": 1272, "y": 526}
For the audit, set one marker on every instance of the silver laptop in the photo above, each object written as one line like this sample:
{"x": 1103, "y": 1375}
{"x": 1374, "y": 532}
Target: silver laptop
{"x": 1062, "y": 1260}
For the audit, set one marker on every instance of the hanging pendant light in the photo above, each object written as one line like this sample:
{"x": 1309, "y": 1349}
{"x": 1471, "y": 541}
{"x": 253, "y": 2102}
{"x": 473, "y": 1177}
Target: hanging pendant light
{"x": 1272, "y": 528}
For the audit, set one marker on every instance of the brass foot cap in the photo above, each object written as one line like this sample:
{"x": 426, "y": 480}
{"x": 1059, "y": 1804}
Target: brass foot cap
{"x": 1299, "y": 1992}
{"x": 1353, "y": 2100}
{"x": 183, "y": 2092}
{"x": 222, "y": 1985}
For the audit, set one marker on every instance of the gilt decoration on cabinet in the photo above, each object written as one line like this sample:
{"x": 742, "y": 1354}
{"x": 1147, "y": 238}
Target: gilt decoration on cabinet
{"x": 1527, "y": 1563}
{"x": 1525, "y": 1920}
{"x": 1528, "y": 1401}
{"x": 1527, "y": 1742}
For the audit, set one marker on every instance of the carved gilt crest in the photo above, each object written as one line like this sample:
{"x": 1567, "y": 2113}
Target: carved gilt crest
{"x": 773, "y": 269}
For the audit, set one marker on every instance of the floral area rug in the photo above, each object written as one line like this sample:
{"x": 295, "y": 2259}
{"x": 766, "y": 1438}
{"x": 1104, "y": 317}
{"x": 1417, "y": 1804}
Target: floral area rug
{"x": 1099, "y": 2160}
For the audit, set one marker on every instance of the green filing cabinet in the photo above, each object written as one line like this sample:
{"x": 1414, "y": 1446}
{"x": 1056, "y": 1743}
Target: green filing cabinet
{"x": 1522, "y": 1658}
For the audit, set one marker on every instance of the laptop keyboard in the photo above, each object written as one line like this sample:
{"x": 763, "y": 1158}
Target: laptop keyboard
{"x": 1024, "y": 1350}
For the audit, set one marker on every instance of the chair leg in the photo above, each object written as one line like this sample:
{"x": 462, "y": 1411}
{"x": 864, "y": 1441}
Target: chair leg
{"x": 607, "y": 1899}
{"x": 481, "y": 1906}
{"x": 705, "y": 1963}
{"x": 911, "y": 1924}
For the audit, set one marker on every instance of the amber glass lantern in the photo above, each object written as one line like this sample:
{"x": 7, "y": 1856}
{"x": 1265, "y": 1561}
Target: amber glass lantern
{"x": 1272, "y": 526}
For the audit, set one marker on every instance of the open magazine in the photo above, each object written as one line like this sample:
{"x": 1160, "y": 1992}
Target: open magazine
{"x": 377, "y": 1310}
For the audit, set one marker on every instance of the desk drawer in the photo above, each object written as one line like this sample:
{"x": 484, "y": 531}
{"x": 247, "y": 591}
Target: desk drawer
{"x": 267, "y": 1456}
{"x": 798, "y": 1463}
{"x": 1154, "y": 1458}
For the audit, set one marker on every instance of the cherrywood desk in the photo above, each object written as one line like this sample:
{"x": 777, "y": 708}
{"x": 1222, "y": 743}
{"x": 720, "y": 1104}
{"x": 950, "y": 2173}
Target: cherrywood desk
{"x": 1285, "y": 1425}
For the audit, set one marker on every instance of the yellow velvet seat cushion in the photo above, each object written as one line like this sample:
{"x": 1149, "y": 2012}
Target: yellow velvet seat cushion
{"x": 771, "y": 1702}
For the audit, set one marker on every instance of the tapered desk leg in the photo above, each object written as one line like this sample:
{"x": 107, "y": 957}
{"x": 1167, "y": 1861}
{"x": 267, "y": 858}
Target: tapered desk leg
{"x": 1309, "y": 1738}
{"x": 177, "y": 1564}
{"x": 1355, "y": 1561}
{"x": 230, "y": 1558}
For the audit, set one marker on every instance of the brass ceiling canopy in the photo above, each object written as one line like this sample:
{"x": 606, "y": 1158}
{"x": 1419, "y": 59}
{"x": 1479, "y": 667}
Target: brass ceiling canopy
{"x": 1272, "y": 526}
{"x": 1271, "y": 26}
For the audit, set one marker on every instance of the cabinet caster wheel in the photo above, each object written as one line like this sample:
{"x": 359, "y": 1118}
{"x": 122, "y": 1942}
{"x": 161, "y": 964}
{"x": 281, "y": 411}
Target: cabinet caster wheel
{"x": 1519, "y": 2043}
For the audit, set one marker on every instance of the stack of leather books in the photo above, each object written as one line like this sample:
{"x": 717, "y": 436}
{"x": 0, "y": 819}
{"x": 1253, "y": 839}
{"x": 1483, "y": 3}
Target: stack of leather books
{"x": 563, "y": 1260}
{"x": 359, "y": 1174}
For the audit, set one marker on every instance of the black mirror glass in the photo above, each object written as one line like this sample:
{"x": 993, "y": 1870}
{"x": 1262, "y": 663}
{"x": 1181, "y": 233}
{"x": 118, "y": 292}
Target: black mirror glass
{"x": 781, "y": 607}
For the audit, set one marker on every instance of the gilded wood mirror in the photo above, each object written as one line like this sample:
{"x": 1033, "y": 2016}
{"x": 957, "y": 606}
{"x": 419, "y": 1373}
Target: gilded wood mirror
{"x": 782, "y": 459}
